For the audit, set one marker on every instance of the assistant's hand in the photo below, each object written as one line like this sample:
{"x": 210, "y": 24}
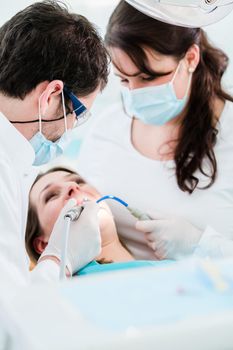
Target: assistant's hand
{"x": 170, "y": 237}
{"x": 84, "y": 242}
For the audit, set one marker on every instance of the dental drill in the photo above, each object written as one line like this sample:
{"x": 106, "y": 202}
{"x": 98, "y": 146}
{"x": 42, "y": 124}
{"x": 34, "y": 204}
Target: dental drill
{"x": 72, "y": 215}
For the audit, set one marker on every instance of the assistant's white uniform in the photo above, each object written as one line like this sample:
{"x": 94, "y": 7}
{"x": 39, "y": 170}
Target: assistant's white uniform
{"x": 16, "y": 158}
{"x": 109, "y": 161}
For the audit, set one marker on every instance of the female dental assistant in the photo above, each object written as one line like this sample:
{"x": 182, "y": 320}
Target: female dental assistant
{"x": 167, "y": 148}
{"x": 39, "y": 107}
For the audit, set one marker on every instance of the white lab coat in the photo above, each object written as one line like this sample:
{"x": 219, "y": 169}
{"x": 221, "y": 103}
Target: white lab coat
{"x": 16, "y": 158}
{"x": 109, "y": 161}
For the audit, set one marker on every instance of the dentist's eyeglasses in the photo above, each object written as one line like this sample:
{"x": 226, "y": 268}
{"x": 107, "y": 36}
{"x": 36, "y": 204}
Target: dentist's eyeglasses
{"x": 81, "y": 112}
{"x": 81, "y": 119}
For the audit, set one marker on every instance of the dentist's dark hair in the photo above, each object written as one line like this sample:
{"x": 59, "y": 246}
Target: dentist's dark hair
{"x": 45, "y": 42}
{"x": 132, "y": 31}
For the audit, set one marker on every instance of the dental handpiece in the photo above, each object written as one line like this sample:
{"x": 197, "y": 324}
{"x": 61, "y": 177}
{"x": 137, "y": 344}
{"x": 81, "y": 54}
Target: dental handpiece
{"x": 138, "y": 214}
{"x": 74, "y": 213}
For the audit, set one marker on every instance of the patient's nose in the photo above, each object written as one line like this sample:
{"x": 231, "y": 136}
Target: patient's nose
{"x": 72, "y": 191}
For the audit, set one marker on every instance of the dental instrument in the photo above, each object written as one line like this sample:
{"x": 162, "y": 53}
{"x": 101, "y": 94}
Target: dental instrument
{"x": 74, "y": 214}
{"x": 135, "y": 212}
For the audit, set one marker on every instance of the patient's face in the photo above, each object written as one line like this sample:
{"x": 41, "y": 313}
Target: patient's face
{"x": 52, "y": 191}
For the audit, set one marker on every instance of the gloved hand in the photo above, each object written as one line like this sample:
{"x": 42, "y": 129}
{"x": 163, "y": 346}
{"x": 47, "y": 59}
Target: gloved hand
{"x": 84, "y": 242}
{"x": 170, "y": 237}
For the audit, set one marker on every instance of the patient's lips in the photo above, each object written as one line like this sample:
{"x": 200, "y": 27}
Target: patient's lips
{"x": 85, "y": 194}
{"x": 87, "y": 197}
{"x": 84, "y": 197}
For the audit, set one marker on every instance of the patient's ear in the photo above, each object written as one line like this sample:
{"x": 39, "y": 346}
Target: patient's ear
{"x": 40, "y": 244}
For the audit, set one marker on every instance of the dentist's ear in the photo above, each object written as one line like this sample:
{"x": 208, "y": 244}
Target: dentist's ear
{"x": 53, "y": 89}
{"x": 39, "y": 244}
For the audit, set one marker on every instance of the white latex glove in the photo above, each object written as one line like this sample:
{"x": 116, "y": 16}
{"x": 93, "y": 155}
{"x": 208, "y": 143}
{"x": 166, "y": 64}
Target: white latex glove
{"x": 84, "y": 242}
{"x": 170, "y": 237}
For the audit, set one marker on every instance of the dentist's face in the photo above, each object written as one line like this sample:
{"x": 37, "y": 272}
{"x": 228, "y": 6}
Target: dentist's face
{"x": 53, "y": 130}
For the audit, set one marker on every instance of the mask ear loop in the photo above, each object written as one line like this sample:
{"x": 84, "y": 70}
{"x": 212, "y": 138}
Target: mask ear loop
{"x": 175, "y": 74}
{"x": 40, "y": 116}
{"x": 64, "y": 109}
{"x": 191, "y": 71}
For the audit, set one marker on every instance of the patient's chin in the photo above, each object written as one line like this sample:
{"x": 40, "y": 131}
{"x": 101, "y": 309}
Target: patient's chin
{"x": 107, "y": 226}
{"x": 105, "y": 218}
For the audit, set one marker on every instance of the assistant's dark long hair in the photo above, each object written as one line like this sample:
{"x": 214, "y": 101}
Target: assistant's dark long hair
{"x": 132, "y": 31}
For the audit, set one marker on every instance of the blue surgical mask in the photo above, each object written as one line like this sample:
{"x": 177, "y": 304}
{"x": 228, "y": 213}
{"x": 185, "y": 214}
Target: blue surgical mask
{"x": 155, "y": 105}
{"x": 46, "y": 150}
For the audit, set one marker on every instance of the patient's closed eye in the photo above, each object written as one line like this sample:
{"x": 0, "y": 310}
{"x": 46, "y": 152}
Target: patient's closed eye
{"x": 50, "y": 195}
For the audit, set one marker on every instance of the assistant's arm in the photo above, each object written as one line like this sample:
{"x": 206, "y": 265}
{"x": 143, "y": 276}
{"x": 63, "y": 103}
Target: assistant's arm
{"x": 214, "y": 244}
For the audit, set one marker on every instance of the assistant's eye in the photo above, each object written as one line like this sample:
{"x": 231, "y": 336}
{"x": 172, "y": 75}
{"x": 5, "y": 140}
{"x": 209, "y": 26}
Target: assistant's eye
{"x": 150, "y": 78}
{"x": 50, "y": 196}
{"x": 155, "y": 76}
{"x": 124, "y": 81}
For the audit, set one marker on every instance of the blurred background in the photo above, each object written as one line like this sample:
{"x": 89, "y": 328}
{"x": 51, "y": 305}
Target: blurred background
{"x": 98, "y": 12}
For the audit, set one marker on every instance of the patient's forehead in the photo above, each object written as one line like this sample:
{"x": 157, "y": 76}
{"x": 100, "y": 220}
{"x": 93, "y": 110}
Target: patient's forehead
{"x": 49, "y": 179}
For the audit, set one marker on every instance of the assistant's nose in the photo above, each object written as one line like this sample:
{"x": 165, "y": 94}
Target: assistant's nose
{"x": 135, "y": 84}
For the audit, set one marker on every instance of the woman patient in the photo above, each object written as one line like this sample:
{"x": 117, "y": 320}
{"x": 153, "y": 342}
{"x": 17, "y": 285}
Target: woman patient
{"x": 48, "y": 195}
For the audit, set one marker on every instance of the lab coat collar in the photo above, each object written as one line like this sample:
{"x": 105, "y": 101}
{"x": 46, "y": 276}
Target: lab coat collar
{"x": 15, "y": 145}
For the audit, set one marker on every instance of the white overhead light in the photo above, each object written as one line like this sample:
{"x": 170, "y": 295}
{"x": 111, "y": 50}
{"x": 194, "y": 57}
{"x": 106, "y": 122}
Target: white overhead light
{"x": 187, "y": 13}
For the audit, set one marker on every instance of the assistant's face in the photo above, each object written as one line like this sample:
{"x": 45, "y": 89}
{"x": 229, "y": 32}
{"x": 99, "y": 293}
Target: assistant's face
{"x": 163, "y": 66}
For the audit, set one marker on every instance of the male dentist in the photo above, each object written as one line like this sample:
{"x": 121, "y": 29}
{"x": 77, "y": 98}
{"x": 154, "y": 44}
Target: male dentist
{"x": 52, "y": 65}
